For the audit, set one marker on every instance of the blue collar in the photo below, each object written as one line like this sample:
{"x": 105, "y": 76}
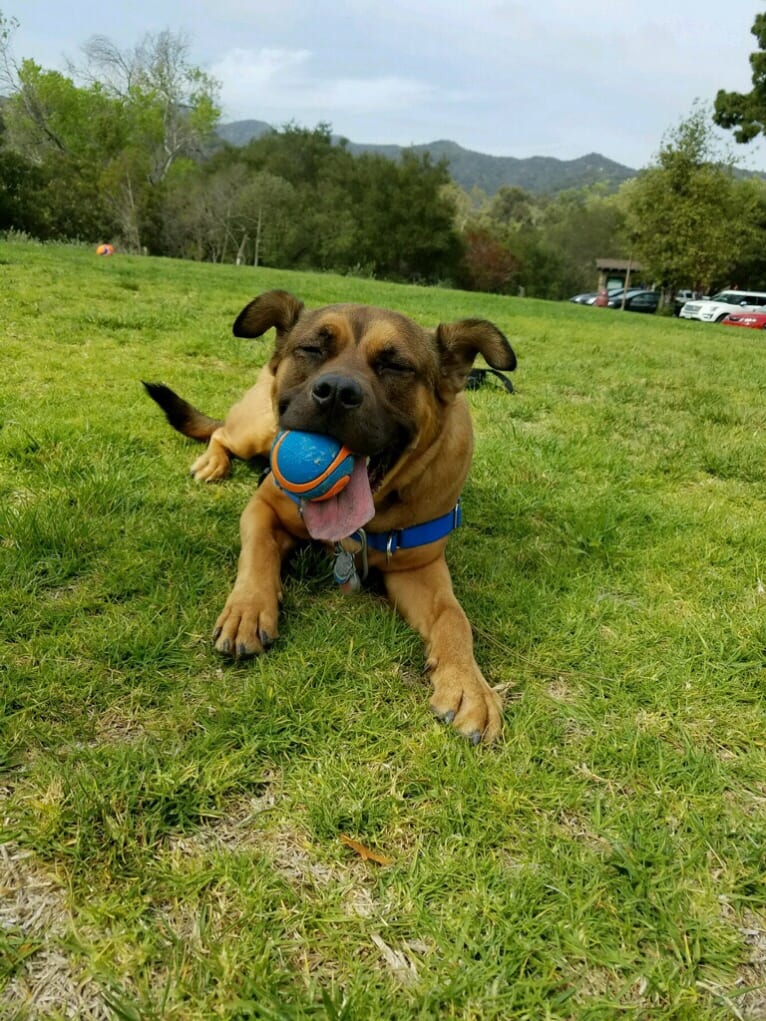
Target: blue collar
{"x": 405, "y": 538}
{"x": 416, "y": 535}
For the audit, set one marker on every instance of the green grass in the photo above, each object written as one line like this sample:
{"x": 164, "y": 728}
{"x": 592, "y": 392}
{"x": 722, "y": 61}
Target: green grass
{"x": 179, "y": 818}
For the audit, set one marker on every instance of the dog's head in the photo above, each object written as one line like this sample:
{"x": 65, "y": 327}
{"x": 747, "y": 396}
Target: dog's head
{"x": 373, "y": 379}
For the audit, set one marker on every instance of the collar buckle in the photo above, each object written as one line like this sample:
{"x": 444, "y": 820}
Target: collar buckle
{"x": 391, "y": 545}
{"x": 416, "y": 535}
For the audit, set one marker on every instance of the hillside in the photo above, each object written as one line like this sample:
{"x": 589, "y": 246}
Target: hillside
{"x": 542, "y": 174}
{"x": 536, "y": 173}
{"x": 242, "y": 132}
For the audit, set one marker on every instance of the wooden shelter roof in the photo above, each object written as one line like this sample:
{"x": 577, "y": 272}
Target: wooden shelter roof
{"x": 618, "y": 265}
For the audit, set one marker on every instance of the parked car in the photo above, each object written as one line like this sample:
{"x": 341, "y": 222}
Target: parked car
{"x": 715, "y": 309}
{"x": 681, "y": 297}
{"x": 615, "y": 297}
{"x": 589, "y": 297}
{"x": 637, "y": 301}
{"x": 752, "y": 320}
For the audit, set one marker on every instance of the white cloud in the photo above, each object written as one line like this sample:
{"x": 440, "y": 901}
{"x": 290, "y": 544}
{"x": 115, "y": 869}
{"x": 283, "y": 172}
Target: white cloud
{"x": 270, "y": 84}
{"x": 240, "y": 70}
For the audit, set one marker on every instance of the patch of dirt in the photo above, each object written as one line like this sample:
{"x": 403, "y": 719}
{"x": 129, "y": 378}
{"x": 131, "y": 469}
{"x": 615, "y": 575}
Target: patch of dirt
{"x": 234, "y": 831}
{"x": 48, "y": 981}
{"x": 751, "y": 981}
{"x": 746, "y": 1000}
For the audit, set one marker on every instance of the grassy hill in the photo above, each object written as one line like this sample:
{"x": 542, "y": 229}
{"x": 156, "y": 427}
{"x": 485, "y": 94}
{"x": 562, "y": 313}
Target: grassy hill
{"x": 172, "y": 838}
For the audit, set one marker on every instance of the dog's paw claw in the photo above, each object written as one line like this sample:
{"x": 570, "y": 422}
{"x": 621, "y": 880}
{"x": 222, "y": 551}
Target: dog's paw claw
{"x": 266, "y": 639}
{"x": 469, "y": 704}
{"x": 242, "y": 651}
{"x": 225, "y": 647}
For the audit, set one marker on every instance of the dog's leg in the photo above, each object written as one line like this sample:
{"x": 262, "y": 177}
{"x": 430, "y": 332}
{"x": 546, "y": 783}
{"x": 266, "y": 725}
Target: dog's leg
{"x": 248, "y": 623}
{"x": 425, "y": 599}
{"x": 248, "y": 432}
{"x": 215, "y": 463}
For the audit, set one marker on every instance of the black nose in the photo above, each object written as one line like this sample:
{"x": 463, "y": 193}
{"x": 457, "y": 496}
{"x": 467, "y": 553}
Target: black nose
{"x": 335, "y": 392}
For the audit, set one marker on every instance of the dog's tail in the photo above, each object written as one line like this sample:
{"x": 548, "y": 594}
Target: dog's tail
{"x": 181, "y": 415}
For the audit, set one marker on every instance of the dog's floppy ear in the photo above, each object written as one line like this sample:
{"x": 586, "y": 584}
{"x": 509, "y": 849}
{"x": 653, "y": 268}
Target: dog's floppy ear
{"x": 274, "y": 308}
{"x": 458, "y": 345}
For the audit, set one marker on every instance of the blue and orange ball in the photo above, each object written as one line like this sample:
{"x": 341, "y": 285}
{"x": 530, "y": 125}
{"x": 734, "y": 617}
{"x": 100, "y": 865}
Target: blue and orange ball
{"x": 105, "y": 250}
{"x": 310, "y": 466}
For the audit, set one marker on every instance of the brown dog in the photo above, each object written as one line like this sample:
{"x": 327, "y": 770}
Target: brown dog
{"x": 390, "y": 391}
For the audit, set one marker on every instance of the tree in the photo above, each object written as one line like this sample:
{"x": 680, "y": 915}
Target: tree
{"x": 231, "y": 214}
{"x": 487, "y": 264}
{"x": 583, "y": 226}
{"x": 20, "y": 183}
{"x": 45, "y": 112}
{"x": 171, "y": 105}
{"x": 750, "y": 265}
{"x": 550, "y": 243}
{"x": 513, "y": 207}
{"x": 467, "y": 205}
{"x": 364, "y": 214}
{"x": 745, "y": 113}
{"x": 688, "y": 216}
{"x": 402, "y": 217}
{"x": 299, "y": 155}
{"x": 112, "y": 130}
{"x": 7, "y": 65}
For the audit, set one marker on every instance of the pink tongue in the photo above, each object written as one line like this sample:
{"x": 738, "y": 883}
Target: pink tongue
{"x": 341, "y": 515}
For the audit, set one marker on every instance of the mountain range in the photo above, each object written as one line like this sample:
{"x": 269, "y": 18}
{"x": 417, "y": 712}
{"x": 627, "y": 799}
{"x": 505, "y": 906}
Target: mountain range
{"x": 539, "y": 174}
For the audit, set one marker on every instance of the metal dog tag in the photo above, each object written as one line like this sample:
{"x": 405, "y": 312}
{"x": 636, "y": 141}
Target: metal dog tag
{"x": 344, "y": 570}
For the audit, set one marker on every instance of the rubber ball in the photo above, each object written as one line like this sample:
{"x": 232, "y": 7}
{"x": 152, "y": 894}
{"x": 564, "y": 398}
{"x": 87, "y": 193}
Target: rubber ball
{"x": 310, "y": 466}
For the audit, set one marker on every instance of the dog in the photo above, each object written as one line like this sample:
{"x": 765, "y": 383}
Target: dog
{"x": 391, "y": 392}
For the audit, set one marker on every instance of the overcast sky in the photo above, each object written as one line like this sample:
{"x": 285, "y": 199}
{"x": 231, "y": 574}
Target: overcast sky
{"x": 550, "y": 78}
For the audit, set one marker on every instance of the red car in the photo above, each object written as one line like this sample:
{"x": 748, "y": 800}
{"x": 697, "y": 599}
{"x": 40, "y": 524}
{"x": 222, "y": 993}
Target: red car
{"x": 753, "y": 320}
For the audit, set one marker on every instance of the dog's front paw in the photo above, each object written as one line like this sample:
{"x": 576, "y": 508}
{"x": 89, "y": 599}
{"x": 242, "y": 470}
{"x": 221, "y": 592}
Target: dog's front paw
{"x": 245, "y": 627}
{"x": 213, "y": 465}
{"x": 464, "y": 699}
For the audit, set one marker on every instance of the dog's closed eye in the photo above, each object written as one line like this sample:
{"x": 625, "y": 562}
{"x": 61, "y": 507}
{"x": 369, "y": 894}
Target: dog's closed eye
{"x": 391, "y": 360}
{"x": 401, "y": 368}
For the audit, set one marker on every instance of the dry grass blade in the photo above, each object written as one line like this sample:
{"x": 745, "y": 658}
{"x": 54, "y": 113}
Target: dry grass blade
{"x": 365, "y": 852}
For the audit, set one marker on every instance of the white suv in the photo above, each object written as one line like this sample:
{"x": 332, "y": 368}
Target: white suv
{"x": 713, "y": 310}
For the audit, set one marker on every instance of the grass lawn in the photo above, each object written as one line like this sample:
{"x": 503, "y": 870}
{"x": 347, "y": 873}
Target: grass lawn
{"x": 171, "y": 825}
